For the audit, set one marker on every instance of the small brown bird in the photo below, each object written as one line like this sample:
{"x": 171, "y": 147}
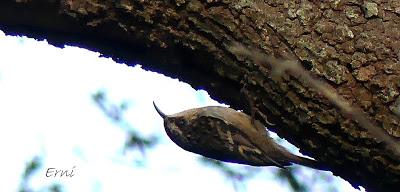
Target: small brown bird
{"x": 225, "y": 134}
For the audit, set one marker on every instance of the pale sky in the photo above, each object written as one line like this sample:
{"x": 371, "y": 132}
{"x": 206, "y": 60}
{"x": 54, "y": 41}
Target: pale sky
{"x": 46, "y": 109}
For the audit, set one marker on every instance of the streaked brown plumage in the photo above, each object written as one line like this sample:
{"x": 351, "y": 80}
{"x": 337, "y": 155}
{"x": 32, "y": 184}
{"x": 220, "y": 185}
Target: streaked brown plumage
{"x": 228, "y": 135}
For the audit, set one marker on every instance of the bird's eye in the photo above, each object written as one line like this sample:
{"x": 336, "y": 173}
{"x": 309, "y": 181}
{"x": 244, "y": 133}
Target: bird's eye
{"x": 181, "y": 122}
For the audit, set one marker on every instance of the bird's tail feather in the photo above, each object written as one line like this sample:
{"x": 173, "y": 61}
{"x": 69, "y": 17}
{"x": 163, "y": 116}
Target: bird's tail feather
{"x": 308, "y": 162}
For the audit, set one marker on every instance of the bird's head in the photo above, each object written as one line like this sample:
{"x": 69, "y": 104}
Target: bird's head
{"x": 176, "y": 124}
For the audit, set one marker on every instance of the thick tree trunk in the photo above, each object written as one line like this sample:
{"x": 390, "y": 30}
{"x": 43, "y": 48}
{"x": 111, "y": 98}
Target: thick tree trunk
{"x": 352, "y": 45}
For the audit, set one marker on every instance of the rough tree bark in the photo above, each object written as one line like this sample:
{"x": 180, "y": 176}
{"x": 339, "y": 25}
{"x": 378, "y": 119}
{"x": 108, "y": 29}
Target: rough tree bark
{"x": 353, "y": 45}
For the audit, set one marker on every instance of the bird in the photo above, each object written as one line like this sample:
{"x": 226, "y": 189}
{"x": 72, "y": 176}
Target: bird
{"x": 227, "y": 135}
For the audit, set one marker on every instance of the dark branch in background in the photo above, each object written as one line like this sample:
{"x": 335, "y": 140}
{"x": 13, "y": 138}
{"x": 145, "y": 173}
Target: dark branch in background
{"x": 112, "y": 111}
{"x": 115, "y": 113}
{"x": 137, "y": 141}
{"x": 279, "y": 67}
{"x": 289, "y": 176}
{"x": 31, "y": 167}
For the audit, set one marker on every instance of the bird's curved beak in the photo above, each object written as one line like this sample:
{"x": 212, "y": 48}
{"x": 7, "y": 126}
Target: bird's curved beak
{"x": 159, "y": 111}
